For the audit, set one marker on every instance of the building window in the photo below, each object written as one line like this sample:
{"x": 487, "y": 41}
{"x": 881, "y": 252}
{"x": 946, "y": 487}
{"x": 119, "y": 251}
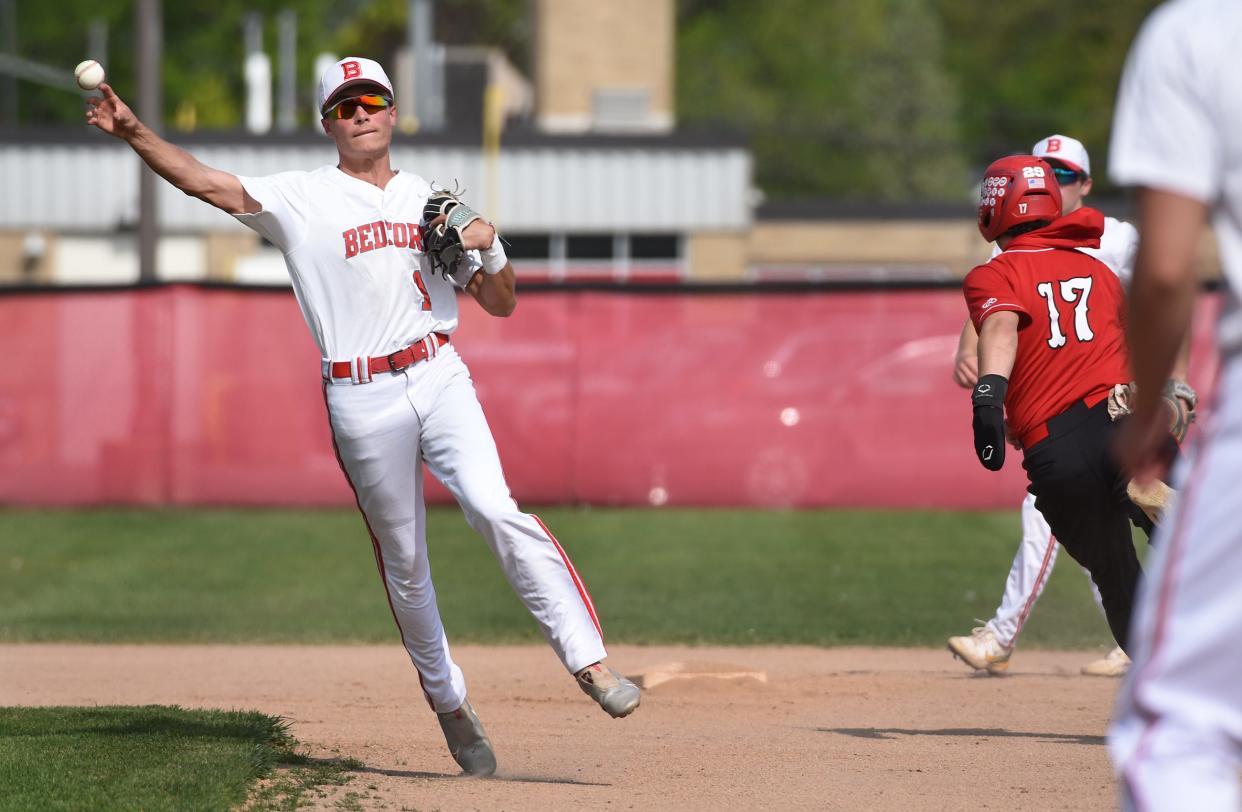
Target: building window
{"x": 590, "y": 246}
{"x": 528, "y": 246}
{"x": 654, "y": 246}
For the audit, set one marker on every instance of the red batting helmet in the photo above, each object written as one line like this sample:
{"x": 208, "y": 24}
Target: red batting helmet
{"x": 1016, "y": 190}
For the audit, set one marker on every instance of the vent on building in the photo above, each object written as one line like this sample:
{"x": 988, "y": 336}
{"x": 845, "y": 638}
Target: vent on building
{"x": 618, "y": 108}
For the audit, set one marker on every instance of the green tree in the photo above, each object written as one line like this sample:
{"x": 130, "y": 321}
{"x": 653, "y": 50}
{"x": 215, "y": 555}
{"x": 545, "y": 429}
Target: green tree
{"x": 1025, "y": 71}
{"x": 379, "y": 27}
{"x": 856, "y": 98}
{"x": 204, "y": 49}
{"x": 839, "y": 97}
{"x": 203, "y": 52}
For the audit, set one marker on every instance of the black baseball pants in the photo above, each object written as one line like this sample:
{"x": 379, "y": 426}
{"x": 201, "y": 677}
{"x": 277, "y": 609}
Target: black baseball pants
{"x": 1081, "y": 492}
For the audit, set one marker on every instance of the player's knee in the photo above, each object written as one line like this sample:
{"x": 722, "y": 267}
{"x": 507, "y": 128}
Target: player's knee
{"x": 490, "y": 512}
{"x": 402, "y": 524}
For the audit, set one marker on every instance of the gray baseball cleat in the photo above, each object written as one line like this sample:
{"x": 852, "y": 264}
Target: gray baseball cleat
{"x": 467, "y": 742}
{"x": 614, "y": 693}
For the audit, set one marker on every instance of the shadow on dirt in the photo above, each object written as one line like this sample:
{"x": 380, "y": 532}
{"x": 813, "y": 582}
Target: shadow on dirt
{"x": 968, "y": 732}
{"x": 517, "y": 779}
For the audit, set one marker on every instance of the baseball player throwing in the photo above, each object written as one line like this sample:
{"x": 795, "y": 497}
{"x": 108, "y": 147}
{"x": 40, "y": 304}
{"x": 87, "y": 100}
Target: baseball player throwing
{"x": 375, "y": 254}
{"x": 1176, "y": 738}
{"x": 990, "y": 646}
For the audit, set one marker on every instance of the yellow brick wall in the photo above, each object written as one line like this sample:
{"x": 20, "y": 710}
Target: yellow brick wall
{"x": 953, "y": 243}
{"x": 717, "y": 255}
{"x": 224, "y": 248}
{"x": 17, "y": 268}
{"x": 584, "y": 45}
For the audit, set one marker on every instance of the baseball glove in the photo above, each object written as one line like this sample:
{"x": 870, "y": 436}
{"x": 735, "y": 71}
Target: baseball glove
{"x": 1181, "y": 401}
{"x": 1179, "y": 398}
{"x": 443, "y": 243}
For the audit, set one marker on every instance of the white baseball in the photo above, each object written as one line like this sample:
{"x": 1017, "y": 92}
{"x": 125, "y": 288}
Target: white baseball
{"x": 89, "y": 74}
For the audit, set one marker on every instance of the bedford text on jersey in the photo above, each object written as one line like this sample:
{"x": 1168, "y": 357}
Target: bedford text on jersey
{"x": 382, "y": 234}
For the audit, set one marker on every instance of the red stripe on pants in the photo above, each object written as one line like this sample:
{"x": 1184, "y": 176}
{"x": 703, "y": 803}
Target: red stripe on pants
{"x": 1039, "y": 579}
{"x": 375, "y": 545}
{"x": 1164, "y": 608}
{"x": 573, "y": 573}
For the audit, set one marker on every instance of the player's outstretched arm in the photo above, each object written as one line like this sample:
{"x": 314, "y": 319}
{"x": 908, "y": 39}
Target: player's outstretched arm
{"x": 221, "y": 189}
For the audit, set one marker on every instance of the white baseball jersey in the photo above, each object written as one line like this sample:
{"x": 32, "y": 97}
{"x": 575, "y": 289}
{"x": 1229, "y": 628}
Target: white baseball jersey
{"x": 1118, "y": 248}
{"x": 1177, "y": 110}
{"x": 1177, "y": 735}
{"x": 355, "y": 254}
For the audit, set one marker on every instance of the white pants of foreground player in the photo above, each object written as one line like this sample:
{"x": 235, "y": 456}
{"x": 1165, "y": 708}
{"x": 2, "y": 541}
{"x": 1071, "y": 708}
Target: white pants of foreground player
{"x": 1177, "y": 736}
{"x": 384, "y": 431}
{"x": 1032, "y": 564}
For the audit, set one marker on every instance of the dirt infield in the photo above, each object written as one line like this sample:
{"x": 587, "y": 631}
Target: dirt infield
{"x": 846, "y": 728}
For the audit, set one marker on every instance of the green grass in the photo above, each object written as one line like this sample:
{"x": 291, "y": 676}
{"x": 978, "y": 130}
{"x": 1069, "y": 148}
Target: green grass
{"x": 150, "y": 758}
{"x": 721, "y": 576}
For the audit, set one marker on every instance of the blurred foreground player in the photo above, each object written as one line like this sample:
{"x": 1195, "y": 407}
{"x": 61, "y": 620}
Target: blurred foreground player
{"x": 362, "y": 242}
{"x": 1177, "y": 135}
{"x": 1051, "y": 352}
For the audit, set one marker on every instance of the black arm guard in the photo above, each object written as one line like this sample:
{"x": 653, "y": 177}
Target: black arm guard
{"x": 989, "y": 420}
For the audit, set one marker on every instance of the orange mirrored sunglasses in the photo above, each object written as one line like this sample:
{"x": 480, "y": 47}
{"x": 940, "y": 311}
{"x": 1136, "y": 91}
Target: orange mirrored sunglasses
{"x": 345, "y": 108}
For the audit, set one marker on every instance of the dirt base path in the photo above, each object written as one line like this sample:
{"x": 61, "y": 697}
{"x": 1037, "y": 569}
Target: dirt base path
{"x": 846, "y": 728}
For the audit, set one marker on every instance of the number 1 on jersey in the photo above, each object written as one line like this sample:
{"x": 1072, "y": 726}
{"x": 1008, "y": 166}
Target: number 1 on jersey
{"x": 418, "y": 280}
{"x": 1074, "y": 291}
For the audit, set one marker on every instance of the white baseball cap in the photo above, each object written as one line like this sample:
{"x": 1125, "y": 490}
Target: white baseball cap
{"x": 352, "y": 70}
{"x": 1064, "y": 150}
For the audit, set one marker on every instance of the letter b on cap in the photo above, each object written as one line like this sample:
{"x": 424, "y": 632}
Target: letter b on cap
{"x": 352, "y": 69}
{"x": 1054, "y": 144}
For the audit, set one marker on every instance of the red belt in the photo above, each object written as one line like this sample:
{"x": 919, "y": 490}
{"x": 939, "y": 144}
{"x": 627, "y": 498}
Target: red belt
{"x": 393, "y": 362}
{"x": 1040, "y": 432}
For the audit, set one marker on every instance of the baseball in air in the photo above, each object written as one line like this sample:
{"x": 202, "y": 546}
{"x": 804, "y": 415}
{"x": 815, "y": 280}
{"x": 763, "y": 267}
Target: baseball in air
{"x": 89, "y": 74}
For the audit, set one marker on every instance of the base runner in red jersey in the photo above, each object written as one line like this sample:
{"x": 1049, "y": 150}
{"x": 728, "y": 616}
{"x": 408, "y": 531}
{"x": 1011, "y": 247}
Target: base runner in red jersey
{"x": 1051, "y": 349}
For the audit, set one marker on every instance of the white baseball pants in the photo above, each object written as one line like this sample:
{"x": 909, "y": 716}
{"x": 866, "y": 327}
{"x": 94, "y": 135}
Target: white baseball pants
{"x": 1032, "y": 564}
{"x": 384, "y": 431}
{"x": 1176, "y": 738}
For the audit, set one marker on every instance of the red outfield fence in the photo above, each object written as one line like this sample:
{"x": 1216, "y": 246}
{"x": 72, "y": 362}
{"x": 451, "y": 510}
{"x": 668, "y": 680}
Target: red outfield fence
{"x": 189, "y": 396}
